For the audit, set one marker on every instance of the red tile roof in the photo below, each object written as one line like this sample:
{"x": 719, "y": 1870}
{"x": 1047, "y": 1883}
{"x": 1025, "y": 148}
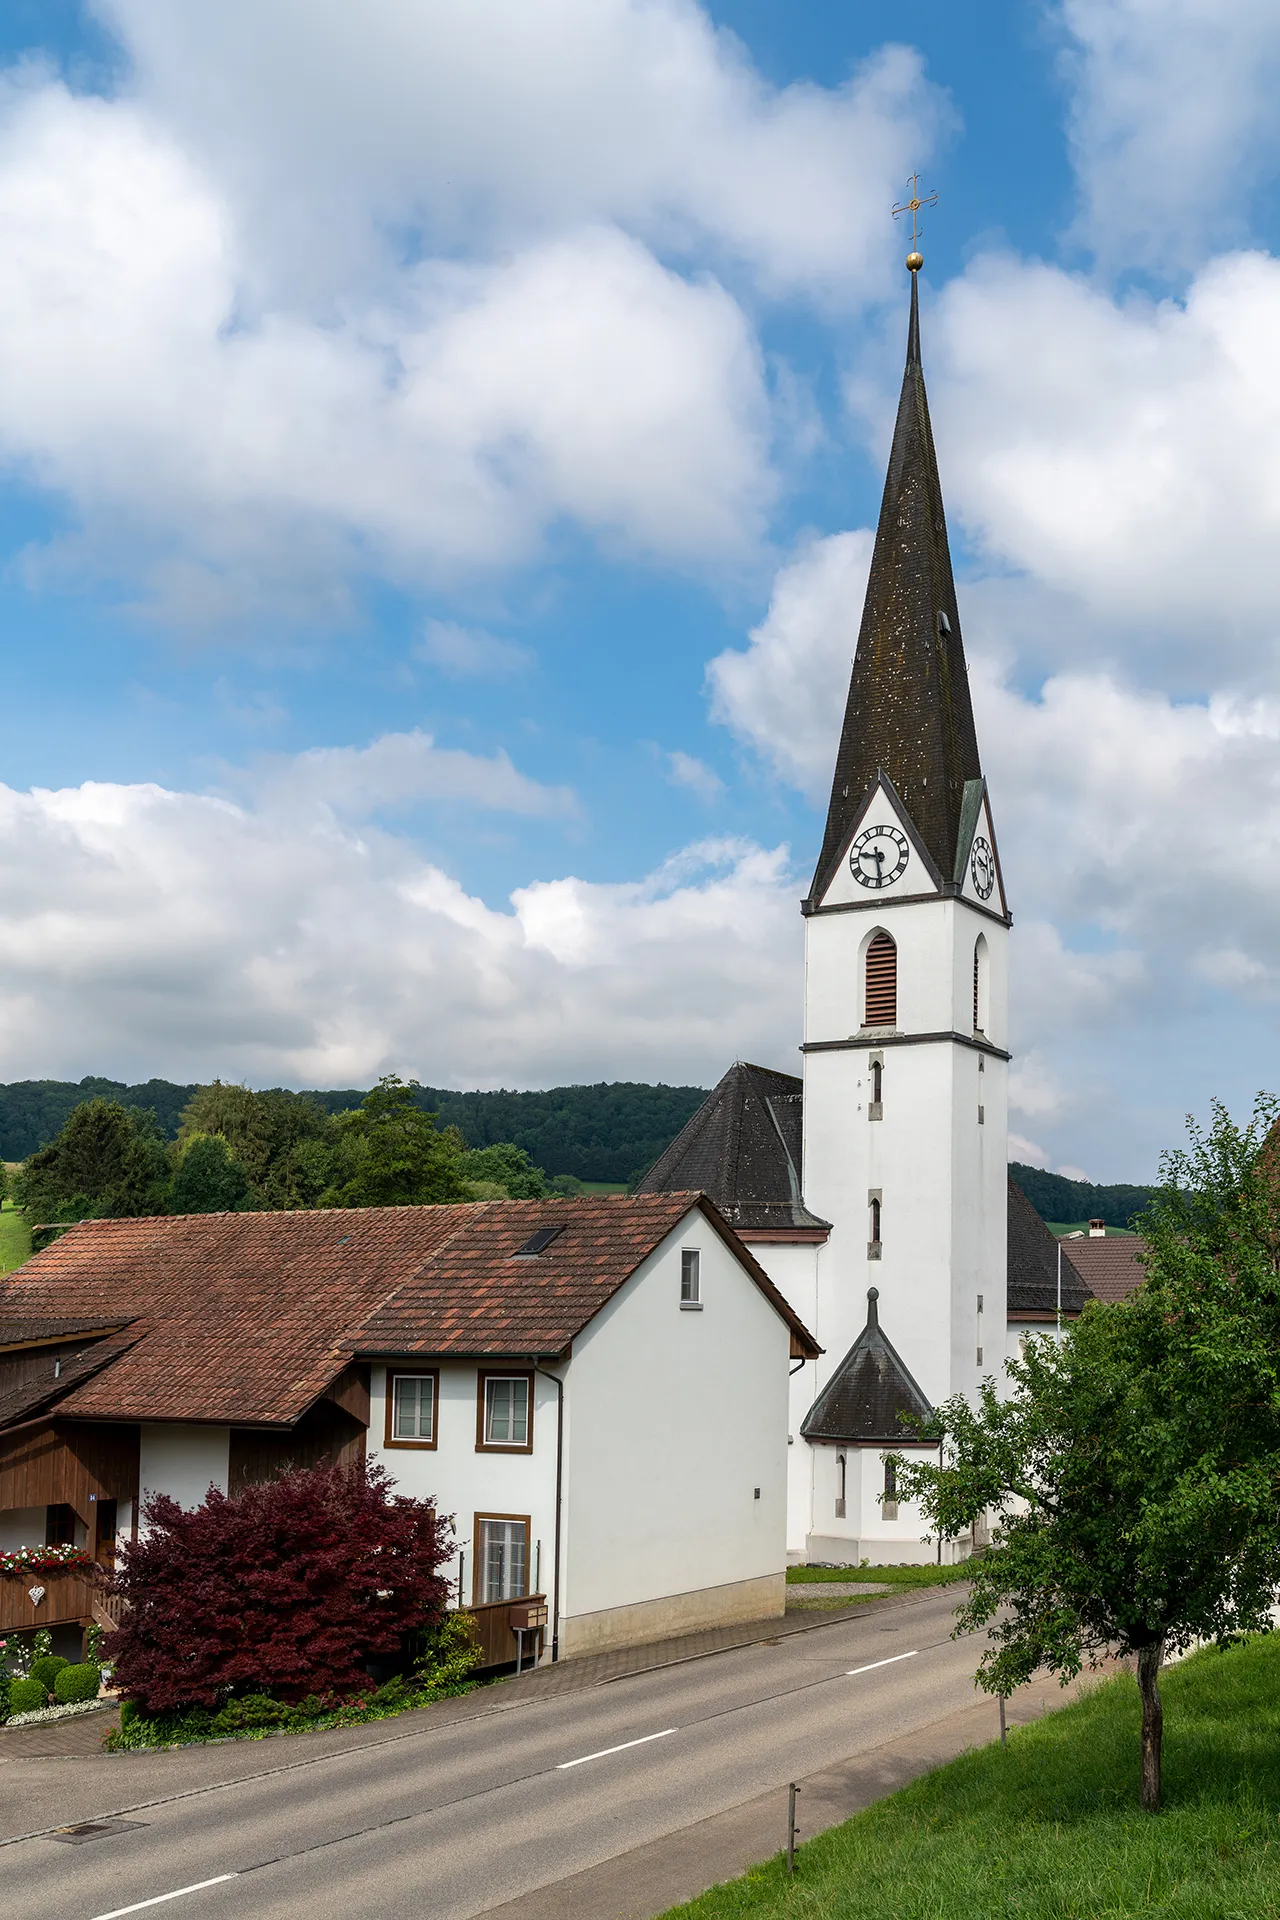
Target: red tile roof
{"x": 1108, "y": 1264}
{"x": 246, "y": 1318}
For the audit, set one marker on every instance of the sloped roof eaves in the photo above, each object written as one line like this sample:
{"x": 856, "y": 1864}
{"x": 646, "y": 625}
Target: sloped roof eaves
{"x": 246, "y": 1315}
{"x": 245, "y": 1319}
{"x": 51, "y": 1395}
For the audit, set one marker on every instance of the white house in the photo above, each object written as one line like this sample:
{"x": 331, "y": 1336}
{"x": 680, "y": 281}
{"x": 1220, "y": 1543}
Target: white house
{"x": 596, "y": 1389}
{"x": 875, "y": 1191}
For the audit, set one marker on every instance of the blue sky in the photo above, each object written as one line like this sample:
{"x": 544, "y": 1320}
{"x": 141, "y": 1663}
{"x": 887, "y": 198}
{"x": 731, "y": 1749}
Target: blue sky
{"x": 436, "y": 466}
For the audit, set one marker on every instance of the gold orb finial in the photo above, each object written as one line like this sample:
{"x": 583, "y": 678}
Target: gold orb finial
{"x": 913, "y": 204}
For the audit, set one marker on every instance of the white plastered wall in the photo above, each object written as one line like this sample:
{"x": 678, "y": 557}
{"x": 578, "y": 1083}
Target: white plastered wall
{"x": 462, "y": 1481}
{"x": 22, "y": 1527}
{"x": 863, "y": 1532}
{"x": 183, "y": 1461}
{"x": 794, "y": 1271}
{"x": 675, "y": 1419}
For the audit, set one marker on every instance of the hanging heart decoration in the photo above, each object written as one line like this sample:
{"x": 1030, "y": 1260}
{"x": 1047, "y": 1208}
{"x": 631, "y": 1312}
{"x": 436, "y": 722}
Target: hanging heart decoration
{"x": 35, "y": 1595}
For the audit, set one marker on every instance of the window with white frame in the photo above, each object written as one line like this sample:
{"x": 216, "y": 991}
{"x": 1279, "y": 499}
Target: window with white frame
{"x": 502, "y": 1557}
{"x": 690, "y": 1277}
{"x": 506, "y": 1410}
{"x": 413, "y": 1408}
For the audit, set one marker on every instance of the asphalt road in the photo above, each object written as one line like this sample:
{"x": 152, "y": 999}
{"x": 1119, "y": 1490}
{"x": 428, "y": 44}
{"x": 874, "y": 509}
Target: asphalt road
{"x": 456, "y": 1819}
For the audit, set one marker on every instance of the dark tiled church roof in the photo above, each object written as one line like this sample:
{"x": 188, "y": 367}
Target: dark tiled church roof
{"x": 864, "y": 1397}
{"x": 743, "y": 1148}
{"x": 1033, "y": 1264}
{"x": 909, "y": 710}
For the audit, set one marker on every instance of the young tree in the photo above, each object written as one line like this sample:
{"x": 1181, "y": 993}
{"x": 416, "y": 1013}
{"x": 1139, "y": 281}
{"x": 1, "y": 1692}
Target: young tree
{"x": 207, "y": 1177}
{"x": 1132, "y": 1473}
{"x": 506, "y": 1169}
{"x": 396, "y": 1155}
{"x": 287, "y": 1589}
{"x": 108, "y": 1162}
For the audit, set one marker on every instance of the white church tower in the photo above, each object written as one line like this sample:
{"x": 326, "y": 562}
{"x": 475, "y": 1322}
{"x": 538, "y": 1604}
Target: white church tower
{"x": 905, "y": 1008}
{"x": 875, "y": 1193}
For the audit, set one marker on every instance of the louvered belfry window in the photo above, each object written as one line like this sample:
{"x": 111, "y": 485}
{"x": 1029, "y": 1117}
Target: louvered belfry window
{"x": 882, "y": 982}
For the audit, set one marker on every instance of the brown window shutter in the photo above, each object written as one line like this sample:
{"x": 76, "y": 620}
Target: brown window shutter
{"x": 882, "y": 982}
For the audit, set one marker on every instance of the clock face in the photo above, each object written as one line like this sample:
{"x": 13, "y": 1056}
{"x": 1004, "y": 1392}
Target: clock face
{"x": 879, "y": 856}
{"x": 982, "y": 865}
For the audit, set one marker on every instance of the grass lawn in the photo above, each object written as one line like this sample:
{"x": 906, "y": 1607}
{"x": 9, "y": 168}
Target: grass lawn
{"x": 15, "y": 1238}
{"x": 927, "y": 1576}
{"x": 1049, "y": 1827}
{"x": 604, "y": 1186}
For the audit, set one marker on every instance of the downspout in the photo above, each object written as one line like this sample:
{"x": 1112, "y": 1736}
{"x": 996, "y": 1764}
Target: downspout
{"x": 555, "y": 1590}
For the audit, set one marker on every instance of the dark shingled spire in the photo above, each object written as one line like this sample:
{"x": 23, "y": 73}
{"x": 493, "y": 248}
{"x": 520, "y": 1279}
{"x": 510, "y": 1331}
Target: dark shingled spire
{"x": 909, "y": 711}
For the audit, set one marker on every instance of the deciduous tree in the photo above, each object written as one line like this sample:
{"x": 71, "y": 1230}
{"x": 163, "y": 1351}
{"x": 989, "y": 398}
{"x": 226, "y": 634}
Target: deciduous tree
{"x": 1132, "y": 1473}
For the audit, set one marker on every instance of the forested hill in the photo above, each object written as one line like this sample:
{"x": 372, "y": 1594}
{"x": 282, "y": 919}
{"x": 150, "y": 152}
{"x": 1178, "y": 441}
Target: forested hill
{"x": 612, "y": 1131}
{"x": 1065, "y": 1201}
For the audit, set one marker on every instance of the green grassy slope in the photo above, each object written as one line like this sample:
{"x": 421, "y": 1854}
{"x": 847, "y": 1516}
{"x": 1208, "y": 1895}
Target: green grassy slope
{"x": 15, "y": 1238}
{"x": 1048, "y": 1828}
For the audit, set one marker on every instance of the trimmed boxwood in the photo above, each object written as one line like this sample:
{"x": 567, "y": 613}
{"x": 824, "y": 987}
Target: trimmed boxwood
{"x": 27, "y": 1696}
{"x": 46, "y": 1670}
{"x": 76, "y": 1683}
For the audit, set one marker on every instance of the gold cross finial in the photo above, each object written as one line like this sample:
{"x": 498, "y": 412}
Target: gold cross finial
{"x": 912, "y": 205}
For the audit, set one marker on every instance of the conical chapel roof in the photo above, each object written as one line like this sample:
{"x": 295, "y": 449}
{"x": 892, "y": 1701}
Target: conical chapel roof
{"x": 868, "y": 1392}
{"x": 909, "y": 711}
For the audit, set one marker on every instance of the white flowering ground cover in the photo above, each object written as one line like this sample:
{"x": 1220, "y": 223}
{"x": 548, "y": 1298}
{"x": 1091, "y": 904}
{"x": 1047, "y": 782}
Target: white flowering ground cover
{"x": 56, "y": 1713}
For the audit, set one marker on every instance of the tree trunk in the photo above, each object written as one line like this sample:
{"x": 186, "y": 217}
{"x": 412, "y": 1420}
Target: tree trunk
{"x": 1149, "y": 1659}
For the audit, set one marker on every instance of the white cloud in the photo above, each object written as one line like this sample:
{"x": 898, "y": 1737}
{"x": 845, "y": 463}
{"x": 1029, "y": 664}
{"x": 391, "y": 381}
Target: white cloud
{"x": 468, "y": 653}
{"x": 339, "y": 129}
{"x": 785, "y": 693}
{"x": 402, "y": 769}
{"x": 231, "y": 455}
{"x": 1133, "y": 465}
{"x": 683, "y": 770}
{"x": 1173, "y": 122}
{"x": 270, "y": 941}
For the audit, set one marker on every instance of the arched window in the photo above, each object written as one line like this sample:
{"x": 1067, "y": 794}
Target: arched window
{"x": 882, "y": 983}
{"x": 980, "y": 984}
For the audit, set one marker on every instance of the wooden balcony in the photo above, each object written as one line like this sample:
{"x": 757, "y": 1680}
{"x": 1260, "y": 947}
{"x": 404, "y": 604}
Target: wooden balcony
{"x": 492, "y": 1621}
{"x": 72, "y": 1597}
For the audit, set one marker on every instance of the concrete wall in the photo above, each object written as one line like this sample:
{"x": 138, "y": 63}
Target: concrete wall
{"x": 676, "y": 1453}
{"x": 183, "y": 1461}
{"x": 463, "y": 1482}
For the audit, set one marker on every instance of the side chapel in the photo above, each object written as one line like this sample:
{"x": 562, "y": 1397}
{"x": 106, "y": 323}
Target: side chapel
{"x": 874, "y": 1190}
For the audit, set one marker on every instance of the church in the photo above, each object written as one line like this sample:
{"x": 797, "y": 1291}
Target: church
{"x": 874, "y": 1188}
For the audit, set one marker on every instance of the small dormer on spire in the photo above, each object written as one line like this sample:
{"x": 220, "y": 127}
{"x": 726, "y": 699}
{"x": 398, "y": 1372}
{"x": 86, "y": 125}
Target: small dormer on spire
{"x": 908, "y": 713}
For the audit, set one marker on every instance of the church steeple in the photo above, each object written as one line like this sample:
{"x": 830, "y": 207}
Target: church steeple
{"x": 908, "y": 713}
